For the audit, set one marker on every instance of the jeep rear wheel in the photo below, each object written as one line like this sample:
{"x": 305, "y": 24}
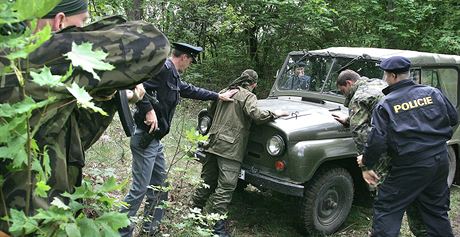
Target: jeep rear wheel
{"x": 452, "y": 165}
{"x": 327, "y": 200}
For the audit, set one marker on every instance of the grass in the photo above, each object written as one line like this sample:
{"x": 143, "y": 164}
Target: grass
{"x": 252, "y": 212}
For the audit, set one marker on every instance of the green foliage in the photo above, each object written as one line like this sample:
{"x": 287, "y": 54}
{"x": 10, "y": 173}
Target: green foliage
{"x": 84, "y": 98}
{"x": 21, "y": 223}
{"x": 60, "y": 218}
{"x": 14, "y": 129}
{"x": 19, "y": 150}
{"x": 27, "y": 43}
{"x": 83, "y": 56}
{"x": 45, "y": 78}
{"x": 258, "y": 34}
{"x": 25, "y": 9}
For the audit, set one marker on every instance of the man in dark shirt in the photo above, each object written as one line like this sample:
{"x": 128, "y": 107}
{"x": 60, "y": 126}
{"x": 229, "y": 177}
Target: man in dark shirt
{"x": 154, "y": 116}
{"x": 412, "y": 123}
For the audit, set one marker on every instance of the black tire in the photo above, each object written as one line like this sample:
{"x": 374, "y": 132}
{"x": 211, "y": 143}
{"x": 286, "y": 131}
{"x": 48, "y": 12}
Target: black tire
{"x": 327, "y": 200}
{"x": 452, "y": 165}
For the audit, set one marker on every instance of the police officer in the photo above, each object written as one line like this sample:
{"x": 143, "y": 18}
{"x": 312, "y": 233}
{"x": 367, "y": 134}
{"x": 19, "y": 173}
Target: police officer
{"x": 153, "y": 120}
{"x": 67, "y": 131}
{"x": 227, "y": 141}
{"x": 412, "y": 124}
{"x": 361, "y": 96}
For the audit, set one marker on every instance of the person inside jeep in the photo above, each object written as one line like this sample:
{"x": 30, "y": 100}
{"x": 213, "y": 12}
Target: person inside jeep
{"x": 298, "y": 80}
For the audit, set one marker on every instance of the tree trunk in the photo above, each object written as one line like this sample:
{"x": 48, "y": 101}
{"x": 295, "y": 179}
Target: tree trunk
{"x": 252, "y": 41}
{"x": 135, "y": 11}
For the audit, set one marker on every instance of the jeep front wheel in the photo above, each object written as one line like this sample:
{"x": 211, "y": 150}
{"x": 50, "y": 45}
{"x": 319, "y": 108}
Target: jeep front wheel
{"x": 327, "y": 200}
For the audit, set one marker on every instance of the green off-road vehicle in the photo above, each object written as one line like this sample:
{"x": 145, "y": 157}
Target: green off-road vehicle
{"x": 309, "y": 154}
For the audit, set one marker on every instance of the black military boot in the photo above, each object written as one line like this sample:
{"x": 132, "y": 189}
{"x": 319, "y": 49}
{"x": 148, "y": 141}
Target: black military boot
{"x": 220, "y": 230}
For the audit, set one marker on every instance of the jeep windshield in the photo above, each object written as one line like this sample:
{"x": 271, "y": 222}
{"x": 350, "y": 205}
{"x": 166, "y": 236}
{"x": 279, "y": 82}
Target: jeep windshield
{"x": 313, "y": 73}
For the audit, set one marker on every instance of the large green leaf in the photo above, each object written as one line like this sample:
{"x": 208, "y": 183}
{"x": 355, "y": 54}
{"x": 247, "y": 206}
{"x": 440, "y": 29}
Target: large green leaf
{"x": 84, "y": 191}
{"x": 31, "y": 43}
{"x": 111, "y": 185}
{"x": 72, "y": 230}
{"x": 37, "y": 167}
{"x": 27, "y": 105}
{"x": 83, "y": 56}
{"x": 45, "y": 78}
{"x": 53, "y": 215}
{"x": 108, "y": 231}
{"x": 21, "y": 223}
{"x": 13, "y": 126}
{"x": 27, "y": 9}
{"x": 41, "y": 189}
{"x": 88, "y": 227}
{"x": 84, "y": 99}
{"x": 7, "y": 15}
{"x": 58, "y": 203}
{"x": 15, "y": 151}
{"x": 115, "y": 220}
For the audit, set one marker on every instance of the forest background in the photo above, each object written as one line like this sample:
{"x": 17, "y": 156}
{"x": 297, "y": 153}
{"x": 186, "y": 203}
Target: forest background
{"x": 240, "y": 34}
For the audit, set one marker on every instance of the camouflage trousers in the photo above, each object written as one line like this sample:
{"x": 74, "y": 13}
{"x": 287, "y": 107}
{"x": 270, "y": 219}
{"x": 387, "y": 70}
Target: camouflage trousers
{"x": 416, "y": 225}
{"x": 221, "y": 175}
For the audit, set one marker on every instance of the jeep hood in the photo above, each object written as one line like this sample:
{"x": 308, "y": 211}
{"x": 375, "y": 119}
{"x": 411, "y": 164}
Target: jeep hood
{"x": 307, "y": 120}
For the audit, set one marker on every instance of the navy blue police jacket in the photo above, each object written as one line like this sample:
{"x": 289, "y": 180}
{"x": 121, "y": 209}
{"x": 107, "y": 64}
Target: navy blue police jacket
{"x": 411, "y": 121}
{"x": 167, "y": 88}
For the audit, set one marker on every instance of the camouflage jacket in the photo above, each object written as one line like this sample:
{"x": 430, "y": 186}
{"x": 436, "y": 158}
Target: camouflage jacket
{"x": 136, "y": 49}
{"x": 231, "y": 122}
{"x": 364, "y": 95}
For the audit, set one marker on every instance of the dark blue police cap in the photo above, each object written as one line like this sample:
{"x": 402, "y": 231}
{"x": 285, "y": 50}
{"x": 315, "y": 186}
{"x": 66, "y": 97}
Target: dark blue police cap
{"x": 395, "y": 64}
{"x": 188, "y": 49}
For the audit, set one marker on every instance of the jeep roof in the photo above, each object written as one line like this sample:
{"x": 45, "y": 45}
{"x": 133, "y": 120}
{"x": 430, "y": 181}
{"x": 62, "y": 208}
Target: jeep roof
{"x": 417, "y": 58}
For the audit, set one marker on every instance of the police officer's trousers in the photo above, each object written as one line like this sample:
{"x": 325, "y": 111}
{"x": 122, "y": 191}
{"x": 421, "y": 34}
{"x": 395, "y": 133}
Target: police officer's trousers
{"x": 221, "y": 175}
{"x": 423, "y": 182}
{"x": 148, "y": 169}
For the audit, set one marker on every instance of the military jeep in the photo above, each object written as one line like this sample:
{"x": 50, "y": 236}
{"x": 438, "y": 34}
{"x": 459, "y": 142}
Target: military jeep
{"x": 309, "y": 154}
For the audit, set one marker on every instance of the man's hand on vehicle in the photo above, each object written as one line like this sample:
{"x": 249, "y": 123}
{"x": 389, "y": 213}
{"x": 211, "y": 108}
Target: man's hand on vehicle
{"x": 280, "y": 113}
{"x": 341, "y": 119}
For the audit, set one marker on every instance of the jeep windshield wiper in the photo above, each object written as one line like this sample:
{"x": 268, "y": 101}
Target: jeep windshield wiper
{"x": 353, "y": 61}
{"x": 305, "y": 54}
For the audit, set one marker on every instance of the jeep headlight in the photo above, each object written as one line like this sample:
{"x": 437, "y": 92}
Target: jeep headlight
{"x": 204, "y": 124}
{"x": 275, "y": 145}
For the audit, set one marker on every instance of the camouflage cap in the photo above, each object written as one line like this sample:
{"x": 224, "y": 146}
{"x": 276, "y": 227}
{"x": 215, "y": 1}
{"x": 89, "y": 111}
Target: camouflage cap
{"x": 250, "y": 75}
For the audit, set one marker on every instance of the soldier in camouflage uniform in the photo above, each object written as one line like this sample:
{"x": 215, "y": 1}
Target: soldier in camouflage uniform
{"x": 362, "y": 95}
{"x": 68, "y": 130}
{"x": 226, "y": 145}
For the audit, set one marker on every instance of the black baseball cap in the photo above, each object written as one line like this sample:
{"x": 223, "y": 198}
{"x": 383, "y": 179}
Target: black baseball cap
{"x": 395, "y": 64}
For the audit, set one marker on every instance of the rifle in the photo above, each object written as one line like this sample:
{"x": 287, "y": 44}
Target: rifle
{"x": 124, "y": 113}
